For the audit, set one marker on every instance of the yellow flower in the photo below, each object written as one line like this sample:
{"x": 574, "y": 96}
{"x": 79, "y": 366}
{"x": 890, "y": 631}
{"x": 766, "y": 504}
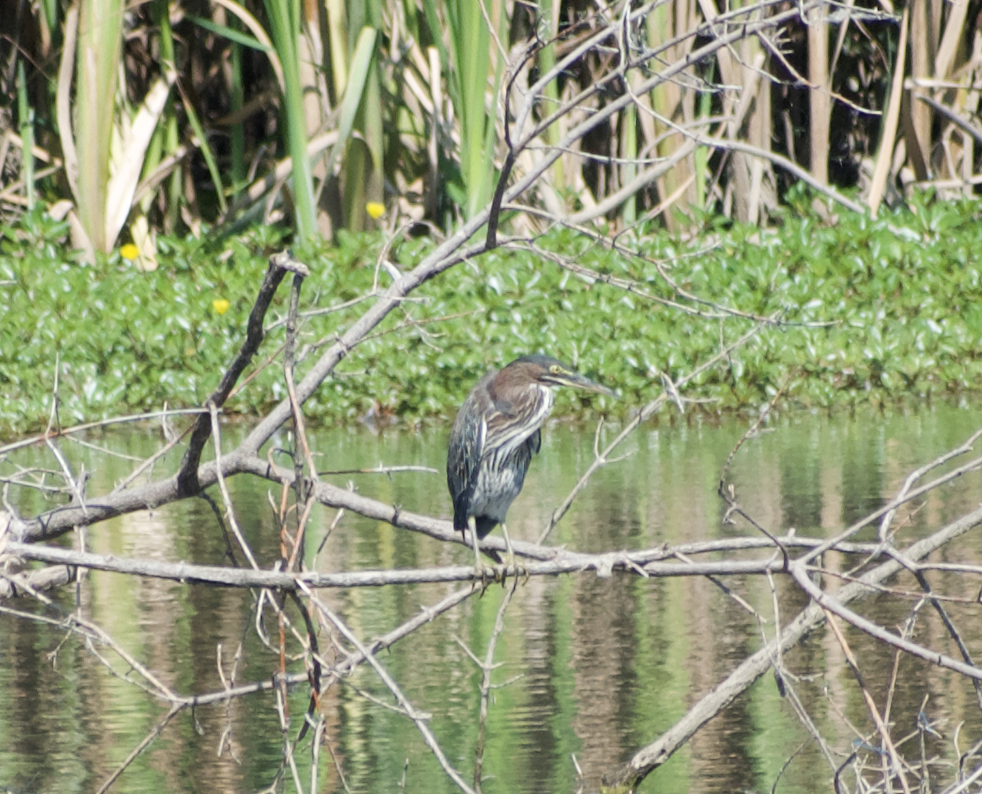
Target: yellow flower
{"x": 376, "y": 209}
{"x": 129, "y": 251}
{"x": 220, "y": 305}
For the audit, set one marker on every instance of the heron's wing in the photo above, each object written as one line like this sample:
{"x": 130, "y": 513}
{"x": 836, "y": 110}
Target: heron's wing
{"x": 467, "y": 443}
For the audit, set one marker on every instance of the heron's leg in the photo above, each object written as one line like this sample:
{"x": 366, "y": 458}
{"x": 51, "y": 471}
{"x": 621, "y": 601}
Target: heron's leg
{"x": 511, "y": 561}
{"x": 478, "y": 565}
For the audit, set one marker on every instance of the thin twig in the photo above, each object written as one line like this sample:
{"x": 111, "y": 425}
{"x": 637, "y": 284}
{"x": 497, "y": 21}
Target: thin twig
{"x": 487, "y": 666}
{"x": 798, "y": 571}
{"x": 633, "y": 425}
{"x": 393, "y": 687}
{"x": 147, "y": 741}
{"x": 898, "y": 769}
{"x": 226, "y": 496}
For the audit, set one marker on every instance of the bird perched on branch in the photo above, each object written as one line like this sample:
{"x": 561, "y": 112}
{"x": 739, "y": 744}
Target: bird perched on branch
{"x": 494, "y": 437}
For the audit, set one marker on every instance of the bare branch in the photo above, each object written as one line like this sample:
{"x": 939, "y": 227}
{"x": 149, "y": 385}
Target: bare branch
{"x": 187, "y": 478}
{"x": 393, "y": 687}
{"x": 753, "y": 667}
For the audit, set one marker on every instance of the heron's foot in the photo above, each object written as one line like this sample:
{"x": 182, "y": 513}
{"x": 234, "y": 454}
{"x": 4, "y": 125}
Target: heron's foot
{"x": 486, "y": 573}
{"x": 514, "y": 567}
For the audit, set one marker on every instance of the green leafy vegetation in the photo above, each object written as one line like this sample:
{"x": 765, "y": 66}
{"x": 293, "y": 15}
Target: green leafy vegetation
{"x": 901, "y": 297}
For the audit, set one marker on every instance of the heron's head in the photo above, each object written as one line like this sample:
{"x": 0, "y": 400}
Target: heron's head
{"x": 549, "y": 372}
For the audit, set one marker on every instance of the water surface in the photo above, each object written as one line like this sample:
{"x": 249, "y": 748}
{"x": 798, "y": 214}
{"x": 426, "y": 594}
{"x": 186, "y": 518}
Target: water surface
{"x": 596, "y": 668}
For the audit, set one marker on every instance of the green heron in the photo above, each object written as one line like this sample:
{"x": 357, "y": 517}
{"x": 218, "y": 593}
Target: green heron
{"x": 494, "y": 437}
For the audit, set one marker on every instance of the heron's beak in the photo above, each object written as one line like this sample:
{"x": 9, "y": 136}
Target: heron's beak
{"x": 583, "y": 383}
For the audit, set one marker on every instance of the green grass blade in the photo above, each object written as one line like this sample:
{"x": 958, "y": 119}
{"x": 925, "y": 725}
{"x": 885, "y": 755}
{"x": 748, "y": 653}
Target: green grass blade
{"x": 99, "y": 47}
{"x": 338, "y": 44}
{"x": 471, "y": 44}
{"x": 171, "y": 134}
{"x": 237, "y": 131}
{"x": 703, "y": 173}
{"x": 547, "y": 60}
{"x": 284, "y": 17}
{"x": 411, "y": 13}
{"x": 436, "y": 27}
{"x": 250, "y": 21}
{"x": 357, "y": 78}
{"x": 25, "y": 118}
{"x": 206, "y": 152}
{"x": 629, "y": 151}
{"x": 230, "y": 33}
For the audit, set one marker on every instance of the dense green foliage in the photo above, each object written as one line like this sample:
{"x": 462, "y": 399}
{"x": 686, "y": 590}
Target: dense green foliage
{"x": 902, "y": 297}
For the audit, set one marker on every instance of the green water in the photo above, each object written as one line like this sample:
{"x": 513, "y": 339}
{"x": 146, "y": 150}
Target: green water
{"x": 603, "y": 666}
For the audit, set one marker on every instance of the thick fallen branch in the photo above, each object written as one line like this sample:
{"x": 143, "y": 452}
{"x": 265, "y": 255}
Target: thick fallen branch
{"x": 551, "y": 561}
{"x": 565, "y": 562}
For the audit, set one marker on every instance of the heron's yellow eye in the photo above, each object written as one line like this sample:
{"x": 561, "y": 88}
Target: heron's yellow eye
{"x": 555, "y": 369}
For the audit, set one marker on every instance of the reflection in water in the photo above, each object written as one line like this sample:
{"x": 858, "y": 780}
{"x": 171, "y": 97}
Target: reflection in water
{"x": 606, "y": 665}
